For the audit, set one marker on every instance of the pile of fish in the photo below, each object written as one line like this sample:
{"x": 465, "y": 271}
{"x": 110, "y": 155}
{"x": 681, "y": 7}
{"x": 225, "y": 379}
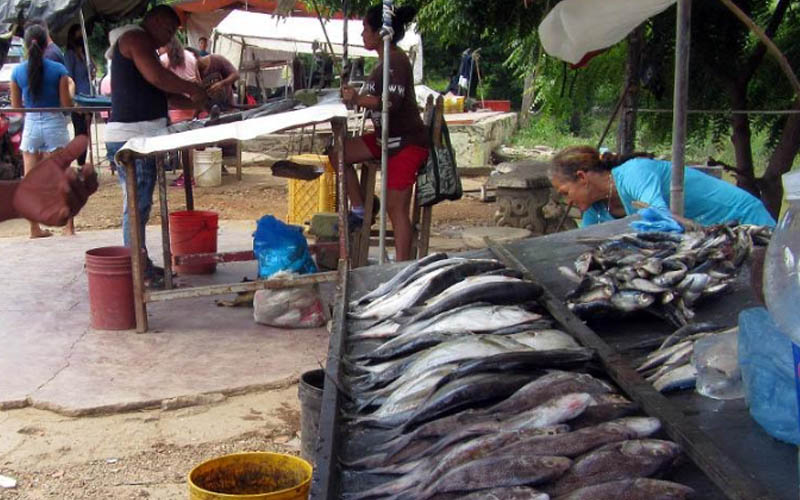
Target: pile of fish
{"x": 661, "y": 273}
{"x": 459, "y": 385}
{"x": 670, "y": 366}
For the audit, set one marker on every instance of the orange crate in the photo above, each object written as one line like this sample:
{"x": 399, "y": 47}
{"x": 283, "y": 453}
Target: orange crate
{"x": 307, "y": 198}
{"x": 497, "y": 105}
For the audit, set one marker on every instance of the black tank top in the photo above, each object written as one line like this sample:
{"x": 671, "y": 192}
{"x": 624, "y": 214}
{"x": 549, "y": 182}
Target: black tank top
{"x": 133, "y": 99}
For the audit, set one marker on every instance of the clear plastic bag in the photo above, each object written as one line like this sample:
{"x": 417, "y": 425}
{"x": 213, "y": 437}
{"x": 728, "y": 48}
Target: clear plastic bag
{"x": 716, "y": 360}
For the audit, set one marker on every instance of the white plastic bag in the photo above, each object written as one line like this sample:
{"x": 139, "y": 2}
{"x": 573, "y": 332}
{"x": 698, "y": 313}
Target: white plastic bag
{"x": 298, "y": 307}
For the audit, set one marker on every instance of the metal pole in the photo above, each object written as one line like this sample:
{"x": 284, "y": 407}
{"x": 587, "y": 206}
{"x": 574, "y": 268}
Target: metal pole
{"x": 387, "y": 33}
{"x": 680, "y": 99}
{"x": 87, "y": 56}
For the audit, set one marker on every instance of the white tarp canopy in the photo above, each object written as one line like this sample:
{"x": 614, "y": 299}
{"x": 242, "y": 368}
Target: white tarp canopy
{"x": 242, "y": 130}
{"x": 575, "y": 27}
{"x": 284, "y": 37}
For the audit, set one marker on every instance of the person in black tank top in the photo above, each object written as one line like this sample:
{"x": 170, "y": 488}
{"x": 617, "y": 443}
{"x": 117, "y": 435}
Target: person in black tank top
{"x": 139, "y": 95}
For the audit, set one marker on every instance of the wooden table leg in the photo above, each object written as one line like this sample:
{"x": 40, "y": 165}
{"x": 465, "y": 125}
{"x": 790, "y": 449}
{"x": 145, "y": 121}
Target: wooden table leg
{"x": 368, "y": 175}
{"x": 238, "y": 160}
{"x": 165, "y": 244}
{"x": 135, "y": 237}
{"x": 339, "y": 128}
{"x": 188, "y": 176}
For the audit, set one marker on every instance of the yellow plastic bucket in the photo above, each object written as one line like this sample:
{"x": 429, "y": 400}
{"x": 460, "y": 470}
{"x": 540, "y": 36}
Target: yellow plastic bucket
{"x": 253, "y": 476}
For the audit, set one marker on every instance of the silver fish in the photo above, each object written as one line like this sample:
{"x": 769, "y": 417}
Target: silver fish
{"x": 631, "y": 300}
{"x": 507, "y": 493}
{"x": 681, "y": 377}
{"x": 644, "y": 285}
{"x": 398, "y": 278}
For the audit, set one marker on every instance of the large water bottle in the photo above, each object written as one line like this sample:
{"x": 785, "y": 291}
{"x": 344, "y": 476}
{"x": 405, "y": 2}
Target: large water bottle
{"x": 782, "y": 264}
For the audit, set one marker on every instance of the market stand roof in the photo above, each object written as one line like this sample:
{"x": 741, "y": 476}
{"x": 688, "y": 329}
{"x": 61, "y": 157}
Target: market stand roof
{"x": 61, "y": 14}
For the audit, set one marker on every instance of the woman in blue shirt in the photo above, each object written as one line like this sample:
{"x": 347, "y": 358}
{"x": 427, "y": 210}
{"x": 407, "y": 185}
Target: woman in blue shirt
{"x": 607, "y": 187}
{"x": 38, "y": 83}
{"x": 76, "y": 67}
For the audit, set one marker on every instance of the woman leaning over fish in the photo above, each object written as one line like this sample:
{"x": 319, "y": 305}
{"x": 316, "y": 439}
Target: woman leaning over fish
{"x": 607, "y": 187}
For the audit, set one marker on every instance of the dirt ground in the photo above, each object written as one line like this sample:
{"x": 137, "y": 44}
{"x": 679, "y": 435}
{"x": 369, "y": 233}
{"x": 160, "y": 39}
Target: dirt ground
{"x": 258, "y": 194}
{"x": 148, "y": 454}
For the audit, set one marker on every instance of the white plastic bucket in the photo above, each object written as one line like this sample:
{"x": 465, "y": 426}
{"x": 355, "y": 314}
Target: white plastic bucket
{"x": 208, "y": 167}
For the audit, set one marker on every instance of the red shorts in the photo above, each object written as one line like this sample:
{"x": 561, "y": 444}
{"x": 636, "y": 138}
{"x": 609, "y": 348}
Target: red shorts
{"x": 402, "y": 166}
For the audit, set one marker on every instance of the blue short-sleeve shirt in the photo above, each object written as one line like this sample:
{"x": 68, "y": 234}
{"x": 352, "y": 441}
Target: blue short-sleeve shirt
{"x": 49, "y": 94}
{"x": 707, "y": 200}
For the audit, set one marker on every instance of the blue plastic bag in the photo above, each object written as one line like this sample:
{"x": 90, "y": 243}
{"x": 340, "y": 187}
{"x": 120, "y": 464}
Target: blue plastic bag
{"x": 767, "y": 364}
{"x": 281, "y": 247}
{"x": 656, "y": 219}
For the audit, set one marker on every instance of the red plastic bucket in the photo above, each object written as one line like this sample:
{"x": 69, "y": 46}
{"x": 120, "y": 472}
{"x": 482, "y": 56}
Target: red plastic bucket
{"x": 110, "y": 288}
{"x": 190, "y": 232}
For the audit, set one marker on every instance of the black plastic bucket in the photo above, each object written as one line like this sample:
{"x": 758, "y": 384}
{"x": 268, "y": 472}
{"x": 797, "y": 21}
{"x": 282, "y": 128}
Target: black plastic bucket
{"x": 309, "y": 392}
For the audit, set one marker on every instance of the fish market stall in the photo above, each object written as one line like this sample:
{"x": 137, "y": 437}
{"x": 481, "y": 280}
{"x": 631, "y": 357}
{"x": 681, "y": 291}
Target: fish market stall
{"x": 357, "y": 415}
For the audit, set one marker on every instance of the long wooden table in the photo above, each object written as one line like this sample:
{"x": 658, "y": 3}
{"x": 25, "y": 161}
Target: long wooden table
{"x": 729, "y": 448}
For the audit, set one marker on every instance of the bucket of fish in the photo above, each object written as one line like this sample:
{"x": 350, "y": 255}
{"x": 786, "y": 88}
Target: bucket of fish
{"x": 253, "y": 475}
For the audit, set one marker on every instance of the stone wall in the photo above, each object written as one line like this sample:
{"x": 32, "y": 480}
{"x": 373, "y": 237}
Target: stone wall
{"x": 474, "y": 142}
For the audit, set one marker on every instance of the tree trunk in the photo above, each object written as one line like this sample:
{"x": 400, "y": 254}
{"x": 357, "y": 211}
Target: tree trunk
{"x": 740, "y": 123}
{"x": 780, "y": 162}
{"x": 528, "y": 93}
{"x": 626, "y": 131}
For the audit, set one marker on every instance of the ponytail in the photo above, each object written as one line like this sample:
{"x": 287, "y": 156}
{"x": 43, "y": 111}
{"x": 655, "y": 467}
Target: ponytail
{"x": 567, "y": 162}
{"x": 35, "y": 43}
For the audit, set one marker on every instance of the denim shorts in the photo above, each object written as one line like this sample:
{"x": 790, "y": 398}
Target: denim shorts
{"x": 44, "y": 132}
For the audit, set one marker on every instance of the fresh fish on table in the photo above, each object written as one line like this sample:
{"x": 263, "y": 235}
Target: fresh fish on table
{"x": 486, "y": 289}
{"x": 631, "y": 300}
{"x": 657, "y": 358}
{"x": 473, "y": 318}
{"x": 575, "y": 443}
{"x": 400, "y": 394}
{"x": 678, "y": 358}
{"x": 631, "y": 489}
{"x": 472, "y": 347}
{"x": 426, "y": 286}
{"x": 404, "y": 345}
{"x": 398, "y": 279}
{"x": 465, "y": 392}
{"x": 682, "y": 377}
{"x": 615, "y": 461}
{"x": 507, "y": 493}
{"x": 494, "y": 471}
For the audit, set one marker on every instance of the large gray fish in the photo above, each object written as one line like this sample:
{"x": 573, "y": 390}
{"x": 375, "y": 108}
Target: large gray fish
{"x": 473, "y": 318}
{"x": 467, "y": 392}
{"x": 546, "y": 388}
{"x": 615, "y": 461}
{"x": 495, "y": 471}
{"x": 631, "y": 489}
{"x": 657, "y": 358}
{"x": 680, "y": 357}
{"x": 399, "y": 278}
{"x": 581, "y": 441}
{"x": 468, "y": 423}
{"x": 472, "y": 347}
{"x": 507, "y": 493}
{"x": 604, "y": 408}
{"x": 427, "y": 285}
{"x": 487, "y": 289}
{"x": 401, "y": 394}
{"x": 404, "y": 345}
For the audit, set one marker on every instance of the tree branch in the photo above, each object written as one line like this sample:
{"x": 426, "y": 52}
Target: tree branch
{"x": 782, "y": 62}
{"x": 752, "y": 63}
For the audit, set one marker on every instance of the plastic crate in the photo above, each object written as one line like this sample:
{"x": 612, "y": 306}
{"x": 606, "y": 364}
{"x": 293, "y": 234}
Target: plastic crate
{"x": 496, "y": 105}
{"x": 307, "y": 198}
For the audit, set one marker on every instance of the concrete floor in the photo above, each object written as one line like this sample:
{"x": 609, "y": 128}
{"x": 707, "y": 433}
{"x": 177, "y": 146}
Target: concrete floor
{"x": 51, "y": 358}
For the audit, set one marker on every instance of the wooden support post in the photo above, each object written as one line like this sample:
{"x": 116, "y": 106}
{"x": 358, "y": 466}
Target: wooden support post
{"x": 425, "y": 232}
{"x": 339, "y": 127}
{"x": 188, "y": 176}
{"x": 680, "y": 102}
{"x": 162, "y": 197}
{"x": 368, "y": 175}
{"x": 135, "y": 237}
{"x": 726, "y": 474}
{"x": 238, "y": 160}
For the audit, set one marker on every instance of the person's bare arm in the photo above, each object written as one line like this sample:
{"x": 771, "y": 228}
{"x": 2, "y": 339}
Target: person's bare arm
{"x": 136, "y": 45}
{"x": 16, "y": 95}
{"x": 66, "y": 89}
